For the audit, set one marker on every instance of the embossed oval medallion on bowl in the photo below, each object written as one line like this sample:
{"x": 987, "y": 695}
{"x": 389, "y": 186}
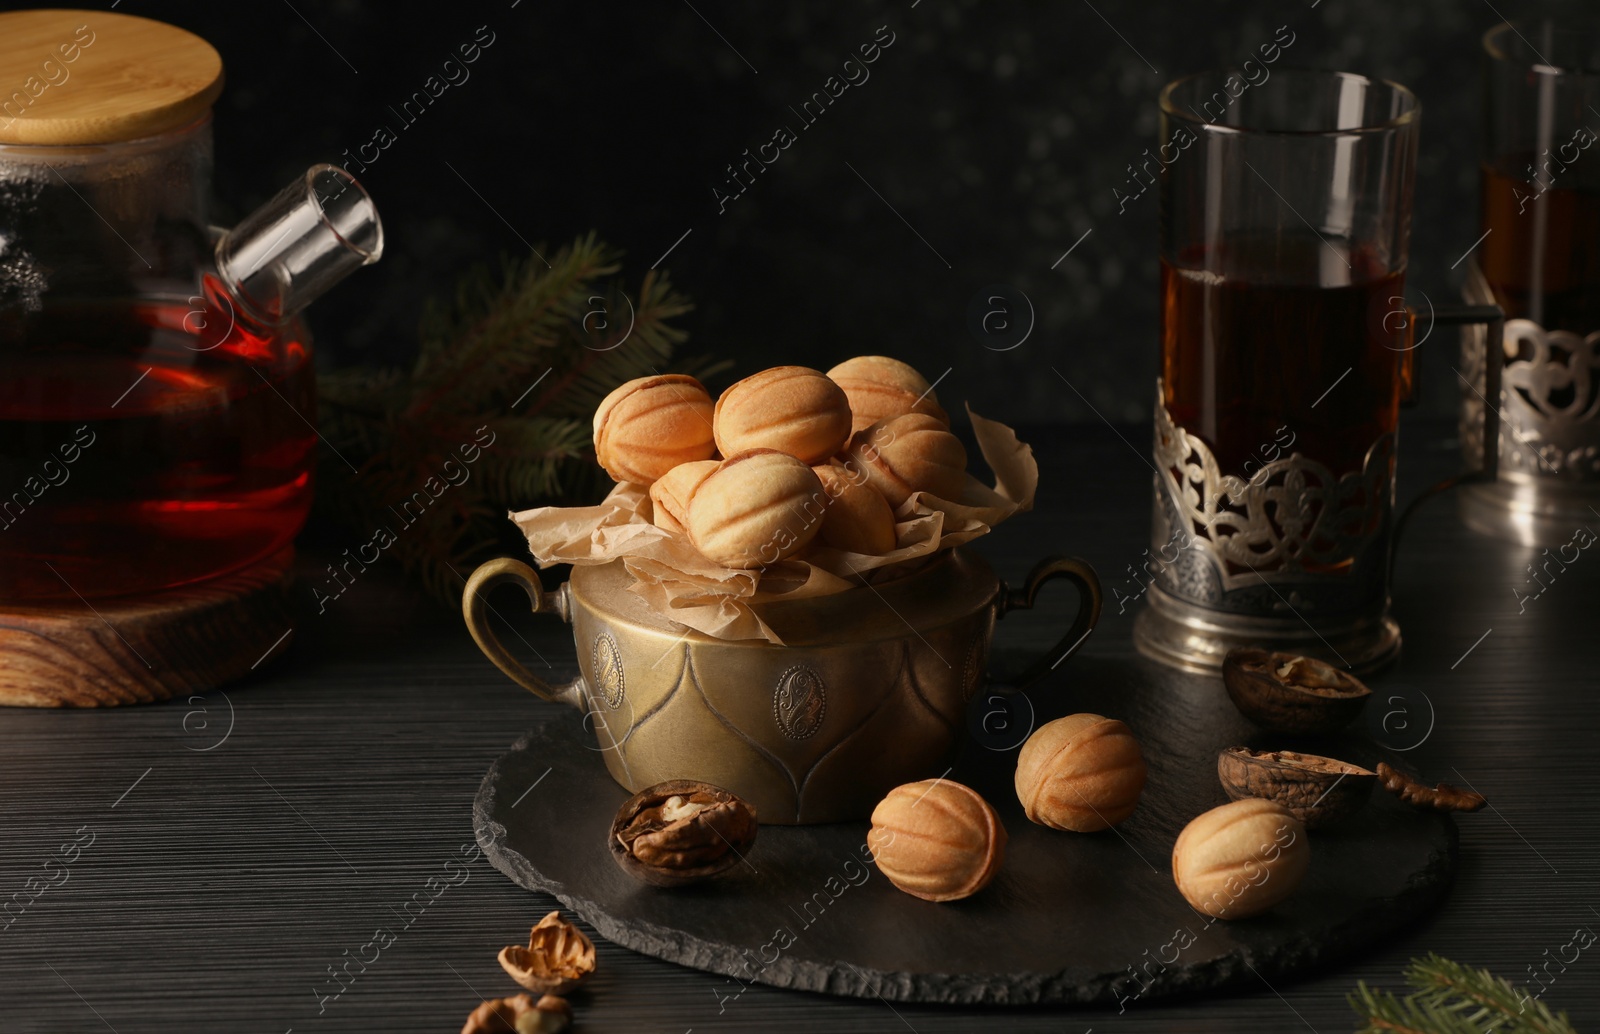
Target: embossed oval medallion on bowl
{"x": 799, "y": 702}
{"x": 608, "y": 677}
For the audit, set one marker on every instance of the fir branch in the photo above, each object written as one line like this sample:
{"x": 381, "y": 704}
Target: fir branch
{"x": 1442, "y": 982}
{"x": 495, "y": 333}
{"x": 1450, "y": 998}
{"x": 1384, "y": 1013}
{"x": 480, "y": 352}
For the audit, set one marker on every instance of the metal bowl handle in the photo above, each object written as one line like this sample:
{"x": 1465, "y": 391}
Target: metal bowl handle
{"x": 474, "y": 607}
{"x": 1080, "y": 574}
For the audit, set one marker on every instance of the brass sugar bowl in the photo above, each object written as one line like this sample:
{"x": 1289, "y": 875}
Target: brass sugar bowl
{"x": 869, "y": 690}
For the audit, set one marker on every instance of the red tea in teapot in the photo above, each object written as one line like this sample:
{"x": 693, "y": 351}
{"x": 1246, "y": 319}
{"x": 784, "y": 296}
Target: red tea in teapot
{"x": 147, "y": 444}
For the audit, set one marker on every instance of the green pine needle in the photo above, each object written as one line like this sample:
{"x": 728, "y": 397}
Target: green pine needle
{"x": 1449, "y": 998}
{"x": 524, "y": 354}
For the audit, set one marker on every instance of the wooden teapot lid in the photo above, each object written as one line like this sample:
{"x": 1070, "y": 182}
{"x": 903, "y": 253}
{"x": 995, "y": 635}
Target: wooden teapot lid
{"x": 97, "y": 77}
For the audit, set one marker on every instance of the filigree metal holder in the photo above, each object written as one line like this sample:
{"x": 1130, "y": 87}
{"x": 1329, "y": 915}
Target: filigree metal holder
{"x": 1291, "y": 558}
{"x": 1548, "y": 460}
{"x": 1294, "y": 556}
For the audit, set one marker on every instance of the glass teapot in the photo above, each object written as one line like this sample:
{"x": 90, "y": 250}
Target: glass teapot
{"x": 157, "y": 404}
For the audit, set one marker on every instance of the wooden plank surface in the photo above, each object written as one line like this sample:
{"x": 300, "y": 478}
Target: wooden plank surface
{"x": 220, "y": 854}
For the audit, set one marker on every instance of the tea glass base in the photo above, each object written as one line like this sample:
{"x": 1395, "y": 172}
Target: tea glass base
{"x": 1182, "y": 635}
{"x": 1530, "y": 511}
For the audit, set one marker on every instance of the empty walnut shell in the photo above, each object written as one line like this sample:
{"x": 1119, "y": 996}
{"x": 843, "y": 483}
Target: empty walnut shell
{"x": 649, "y": 425}
{"x": 937, "y": 840}
{"x": 681, "y": 832}
{"x": 879, "y": 387}
{"x": 558, "y": 957}
{"x": 670, "y": 494}
{"x": 520, "y": 1014}
{"x": 756, "y": 508}
{"x": 1297, "y": 695}
{"x": 858, "y": 518}
{"x": 792, "y": 409}
{"x": 1318, "y": 791}
{"x": 910, "y": 453}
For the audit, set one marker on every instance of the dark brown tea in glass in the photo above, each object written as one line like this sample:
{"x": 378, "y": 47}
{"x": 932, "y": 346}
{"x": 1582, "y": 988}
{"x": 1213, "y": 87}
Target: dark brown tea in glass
{"x": 1544, "y": 267}
{"x": 1273, "y": 343}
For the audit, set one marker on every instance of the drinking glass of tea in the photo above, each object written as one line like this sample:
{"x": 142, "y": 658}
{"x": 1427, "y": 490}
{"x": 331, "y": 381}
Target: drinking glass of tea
{"x": 1285, "y": 217}
{"x": 1539, "y": 260}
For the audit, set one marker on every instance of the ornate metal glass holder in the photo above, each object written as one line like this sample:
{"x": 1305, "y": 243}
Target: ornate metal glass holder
{"x": 1549, "y": 455}
{"x": 1192, "y": 620}
{"x": 1291, "y": 540}
{"x": 1540, "y": 261}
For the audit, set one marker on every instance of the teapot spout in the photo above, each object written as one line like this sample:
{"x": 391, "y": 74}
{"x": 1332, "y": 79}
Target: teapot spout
{"x": 311, "y": 235}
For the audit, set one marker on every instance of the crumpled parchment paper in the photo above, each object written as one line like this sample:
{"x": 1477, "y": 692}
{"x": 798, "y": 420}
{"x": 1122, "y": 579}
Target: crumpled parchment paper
{"x": 675, "y": 580}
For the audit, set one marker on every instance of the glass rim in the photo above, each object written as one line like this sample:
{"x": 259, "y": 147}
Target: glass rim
{"x": 1405, "y": 118}
{"x": 369, "y": 253}
{"x": 1495, "y": 36}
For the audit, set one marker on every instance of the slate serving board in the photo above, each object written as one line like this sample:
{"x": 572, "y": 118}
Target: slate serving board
{"x": 1069, "y": 918}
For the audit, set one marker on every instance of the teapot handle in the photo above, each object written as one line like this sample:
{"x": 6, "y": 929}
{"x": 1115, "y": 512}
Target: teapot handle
{"x": 1080, "y": 574}
{"x": 475, "y": 603}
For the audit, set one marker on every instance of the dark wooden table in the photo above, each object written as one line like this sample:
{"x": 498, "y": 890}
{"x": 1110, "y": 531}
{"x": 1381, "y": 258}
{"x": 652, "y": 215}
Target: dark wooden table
{"x": 224, "y": 854}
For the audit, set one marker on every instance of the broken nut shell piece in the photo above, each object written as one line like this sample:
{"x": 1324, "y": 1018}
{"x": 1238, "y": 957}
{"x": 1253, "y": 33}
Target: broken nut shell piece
{"x": 558, "y": 957}
{"x": 1439, "y": 797}
{"x": 520, "y": 1014}
{"x": 550, "y": 1015}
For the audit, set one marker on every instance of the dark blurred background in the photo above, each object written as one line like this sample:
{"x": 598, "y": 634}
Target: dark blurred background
{"x": 986, "y": 142}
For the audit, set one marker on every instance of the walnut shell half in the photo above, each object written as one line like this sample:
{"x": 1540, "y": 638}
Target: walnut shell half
{"x": 1318, "y": 791}
{"x": 680, "y": 832}
{"x": 557, "y": 959}
{"x": 1296, "y": 695}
